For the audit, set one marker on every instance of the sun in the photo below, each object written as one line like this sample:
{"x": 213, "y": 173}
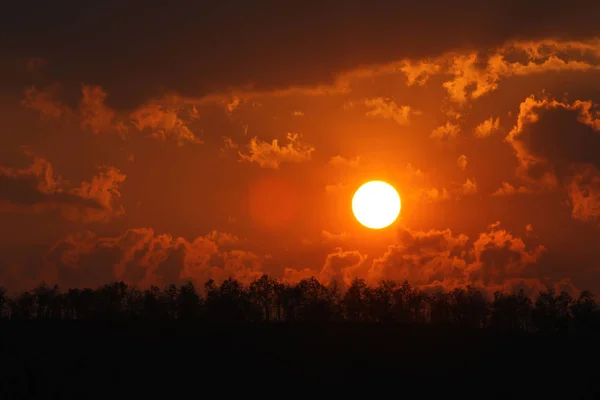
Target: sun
{"x": 376, "y": 204}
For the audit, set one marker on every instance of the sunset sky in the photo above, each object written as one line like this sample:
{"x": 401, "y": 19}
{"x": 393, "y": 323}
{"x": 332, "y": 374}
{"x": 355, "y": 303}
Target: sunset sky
{"x": 158, "y": 142}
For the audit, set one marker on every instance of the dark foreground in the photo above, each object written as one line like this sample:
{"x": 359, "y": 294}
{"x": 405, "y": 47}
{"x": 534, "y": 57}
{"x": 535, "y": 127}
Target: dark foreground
{"x": 76, "y": 360}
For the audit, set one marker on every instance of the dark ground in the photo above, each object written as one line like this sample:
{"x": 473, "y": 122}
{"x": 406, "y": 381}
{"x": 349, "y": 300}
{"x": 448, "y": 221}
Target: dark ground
{"x": 142, "y": 360}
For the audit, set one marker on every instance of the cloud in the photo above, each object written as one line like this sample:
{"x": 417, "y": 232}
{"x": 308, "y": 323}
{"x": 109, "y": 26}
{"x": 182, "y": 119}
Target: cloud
{"x": 498, "y": 256}
{"x": 461, "y": 161}
{"x": 142, "y": 257}
{"x": 584, "y": 194}
{"x": 475, "y": 74}
{"x": 417, "y": 73}
{"x": 46, "y": 102}
{"x": 388, "y": 109}
{"x": 38, "y": 189}
{"x": 555, "y": 144}
{"x": 342, "y": 266}
{"x": 487, "y": 127}
{"x": 508, "y": 190}
{"x": 448, "y": 130}
{"x": 96, "y": 115}
{"x": 257, "y": 43}
{"x": 339, "y": 161}
{"x": 438, "y": 259}
{"x": 166, "y": 118}
{"x": 329, "y": 237}
{"x": 165, "y": 121}
{"x": 272, "y": 155}
{"x": 428, "y": 195}
{"x": 469, "y": 187}
{"x": 422, "y": 257}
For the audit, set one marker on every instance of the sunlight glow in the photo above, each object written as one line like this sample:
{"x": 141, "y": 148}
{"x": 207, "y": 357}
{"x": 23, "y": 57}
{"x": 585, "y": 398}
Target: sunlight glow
{"x": 376, "y": 204}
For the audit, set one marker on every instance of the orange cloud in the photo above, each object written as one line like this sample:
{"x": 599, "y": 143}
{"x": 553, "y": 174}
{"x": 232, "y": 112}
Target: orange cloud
{"x": 388, "y": 109}
{"x": 508, "y": 190}
{"x": 498, "y": 255}
{"x": 469, "y": 187}
{"x": 46, "y": 102}
{"x": 142, "y": 257}
{"x": 272, "y": 155}
{"x": 487, "y": 127}
{"x": 417, "y": 73}
{"x": 164, "y": 121}
{"x": 329, "y": 237}
{"x": 96, "y": 115}
{"x": 342, "y": 266}
{"x": 339, "y": 161}
{"x": 37, "y": 189}
{"x": 422, "y": 258}
{"x": 448, "y": 130}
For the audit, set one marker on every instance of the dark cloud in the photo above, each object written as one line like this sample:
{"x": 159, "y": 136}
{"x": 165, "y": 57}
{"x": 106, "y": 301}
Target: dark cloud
{"x": 557, "y": 146}
{"x": 138, "y": 49}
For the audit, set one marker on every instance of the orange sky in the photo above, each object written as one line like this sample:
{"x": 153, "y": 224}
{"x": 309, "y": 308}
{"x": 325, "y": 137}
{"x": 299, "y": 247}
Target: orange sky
{"x": 204, "y": 152}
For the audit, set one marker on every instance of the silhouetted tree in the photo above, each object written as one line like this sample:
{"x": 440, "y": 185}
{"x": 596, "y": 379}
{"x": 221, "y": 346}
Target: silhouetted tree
{"x": 262, "y": 294}
{"x": 511, "y": 312}
{"x": 586, "y": 316}
{"x": 468, "y": 308}
{"x": 552, "y": 313}
{"x": 3, "y": 301}
{"x": 314, "y": 301}
{"x": 48, "y": 301}
{"x": 355, "y": 300}
{"x": 266, "y": 299}
{"x": 229, "y": 302}
{"x": 188, "y": 302}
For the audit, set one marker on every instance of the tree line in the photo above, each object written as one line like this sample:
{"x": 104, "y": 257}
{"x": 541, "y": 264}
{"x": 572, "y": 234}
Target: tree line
{"x": 268, "y": 300}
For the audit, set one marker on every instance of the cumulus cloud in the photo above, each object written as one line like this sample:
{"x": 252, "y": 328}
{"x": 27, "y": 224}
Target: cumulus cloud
{"x": 272, "y": 155}
{"x": 487, "y": 127}
{"x": 164, "y": 122}
{"x": 556, "y": 145}
{"x": 422, "y": 257}
{"x": 388, "y": 109}
{"x": 143, "y": 257}
{"x": 447, "y": 131}
{"x": 440, "y": 259}
{"x": 496, "y": 260}
{"x": 342, "y": 266}
{"x": 498, "y": 256}
{"x": 37, "y": 189}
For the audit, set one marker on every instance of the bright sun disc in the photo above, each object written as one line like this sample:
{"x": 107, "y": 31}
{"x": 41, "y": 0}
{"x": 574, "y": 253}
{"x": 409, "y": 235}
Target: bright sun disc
{"x": 376, "y": 204}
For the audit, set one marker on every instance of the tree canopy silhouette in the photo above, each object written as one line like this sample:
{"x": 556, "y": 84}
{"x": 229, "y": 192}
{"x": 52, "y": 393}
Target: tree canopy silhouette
{"x": 269, "y": 300}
